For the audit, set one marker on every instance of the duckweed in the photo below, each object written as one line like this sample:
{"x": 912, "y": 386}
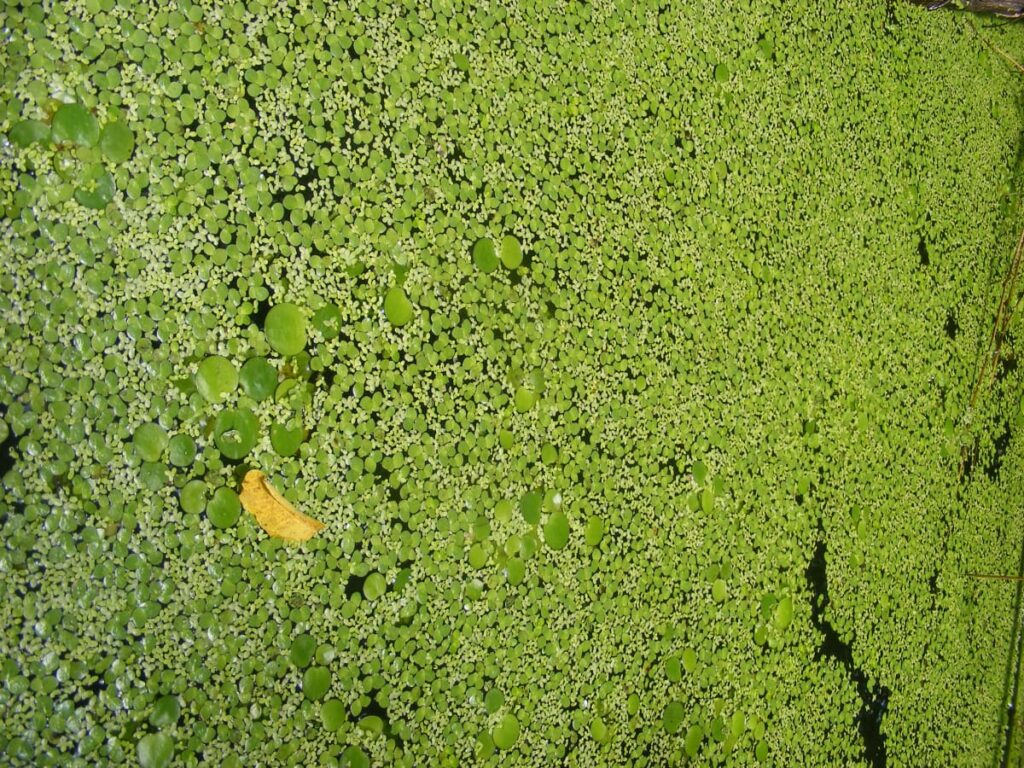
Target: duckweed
{"x": 595, "y": 344}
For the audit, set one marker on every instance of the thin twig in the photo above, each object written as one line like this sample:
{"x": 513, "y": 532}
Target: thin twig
{"x": 997, "y": 576}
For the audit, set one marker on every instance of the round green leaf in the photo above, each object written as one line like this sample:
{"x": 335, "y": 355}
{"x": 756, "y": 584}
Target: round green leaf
{"x": 166, "y": 711}
{"x": 694, "y": 738}
{"x": 530, "y": 506}
{"x": 327, "y": 320}
{"x": 524, "y": 399}
{"x": 28, "y": 132}
{"x": 507, "y": 732}
{"x": 374, "y": 586}
{"x": 73, "y": 123}
{"x": 594, "y": 531}
{"x": 286, "y": 440}
{"x": 784, "y": 613}
{"x": 258, "y": 378}
{"x": 397, "y": 307}
{"x": 155, "y": 750}
{"x": 216, "y": 378}
{"x": 117, "y": 142}
{"x": 315, "y": 682}
{"x": 181, "y": 450}
{"x": 354, "y": 757}
{"x": 672, "y": 717}
{"x": 556, "y": 531}
{"x": 333, "y": 714}
{"x": 224, "y": 508}
{"x": 235, "y": 432}
{"x": 96, "y": 188}
{"x": 302, "y": 650}
{"x": 484, "y": 255}
{"x": 285, "y": 328}
{"x": 150, "y": 441}
{"x": 511, "y": 252}
{"x": 719, "y": 590}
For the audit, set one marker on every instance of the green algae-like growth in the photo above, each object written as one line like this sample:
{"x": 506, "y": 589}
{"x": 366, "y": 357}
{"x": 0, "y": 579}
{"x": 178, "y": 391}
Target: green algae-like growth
{"x": 628, "y": 353}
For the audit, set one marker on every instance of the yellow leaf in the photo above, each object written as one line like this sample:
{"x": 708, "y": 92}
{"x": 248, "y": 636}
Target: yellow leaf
{"x": 274, "y": 512}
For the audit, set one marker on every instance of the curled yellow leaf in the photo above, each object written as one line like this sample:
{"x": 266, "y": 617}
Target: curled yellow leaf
{"x": 274, "y": 512}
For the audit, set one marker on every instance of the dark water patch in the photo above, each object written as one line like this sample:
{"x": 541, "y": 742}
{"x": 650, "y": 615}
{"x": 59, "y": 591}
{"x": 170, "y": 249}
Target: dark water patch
{"x": 354, "y": 584}
{"x": 874, "y": 701}
{"x": 7, "y": 448}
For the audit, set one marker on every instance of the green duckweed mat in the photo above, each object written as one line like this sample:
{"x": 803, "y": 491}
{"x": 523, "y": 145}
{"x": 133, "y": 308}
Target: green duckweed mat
{"x": 624, "y": 349}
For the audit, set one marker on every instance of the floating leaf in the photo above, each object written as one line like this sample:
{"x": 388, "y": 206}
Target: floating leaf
{"x": 28, "y": 132}
{"x": 75, "y": 124}
{"x": 274, "y": 512}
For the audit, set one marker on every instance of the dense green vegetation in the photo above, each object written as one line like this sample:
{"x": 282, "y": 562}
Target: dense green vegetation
{"x": 624, "y": 350}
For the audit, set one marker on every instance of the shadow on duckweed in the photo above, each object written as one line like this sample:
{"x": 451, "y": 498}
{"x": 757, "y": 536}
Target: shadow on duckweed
{"x": 874, "y": 701}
